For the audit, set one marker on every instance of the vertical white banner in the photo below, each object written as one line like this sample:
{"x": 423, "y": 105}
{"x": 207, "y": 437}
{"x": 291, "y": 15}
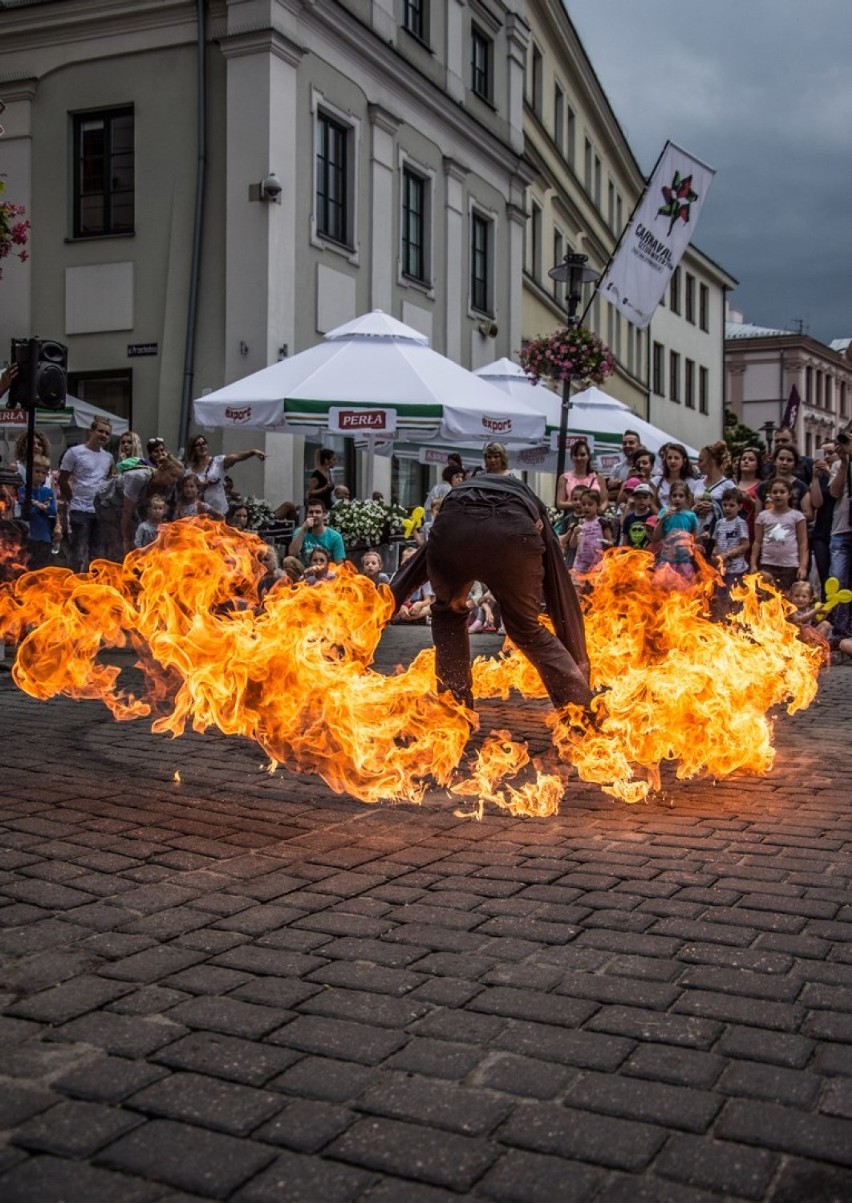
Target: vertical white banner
{"x": 659, "y": 233}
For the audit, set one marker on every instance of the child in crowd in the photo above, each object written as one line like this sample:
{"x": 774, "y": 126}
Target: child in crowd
{"x": 418, "y": 605}
{"x": 188, "y": 503}
{"x": 637, "y": 526}
{"x": 592, "y": 534}
{"x": 372, "y": 566}
{"x": 238, "y": 516}
{"x": 42, "y": 515}
{"x": 318, "y": 568}
{"x": 483, "y": 607}
{"x": 155, "y": 515}
{"x": 813, "y": 629}
{"x": 780, "y": 549}
{"x": 422, "y": 534}
{"x": 292, "y": 569}
{"x": 568, "y": 520}
{"x": 730, "y": 538}
{"x": 269, "y": 559}
{"x": 675, "y": 532}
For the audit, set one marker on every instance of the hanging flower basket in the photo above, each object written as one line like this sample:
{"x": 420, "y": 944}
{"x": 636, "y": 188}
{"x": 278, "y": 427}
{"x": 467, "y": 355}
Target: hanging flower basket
{"x": 571, "y": 352}
{"x": 14, "y": 230}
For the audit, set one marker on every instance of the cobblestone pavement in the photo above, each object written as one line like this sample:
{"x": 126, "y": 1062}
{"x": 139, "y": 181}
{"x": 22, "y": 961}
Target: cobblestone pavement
{"x": 244, "y": 987}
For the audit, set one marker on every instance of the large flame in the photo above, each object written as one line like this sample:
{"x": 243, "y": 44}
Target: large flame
{"x": 293, "y": 673}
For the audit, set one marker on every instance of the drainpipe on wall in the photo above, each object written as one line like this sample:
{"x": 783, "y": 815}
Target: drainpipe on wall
{"x": 198, "y": 224}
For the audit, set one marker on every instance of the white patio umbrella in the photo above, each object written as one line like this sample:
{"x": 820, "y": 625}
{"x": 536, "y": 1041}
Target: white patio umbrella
{"x": 373, "y": 362}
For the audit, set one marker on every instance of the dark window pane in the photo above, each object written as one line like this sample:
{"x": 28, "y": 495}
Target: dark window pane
{"x": 104, "y": 173}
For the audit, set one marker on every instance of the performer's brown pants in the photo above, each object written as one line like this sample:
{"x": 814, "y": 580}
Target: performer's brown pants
{"x": 497, "y": 544}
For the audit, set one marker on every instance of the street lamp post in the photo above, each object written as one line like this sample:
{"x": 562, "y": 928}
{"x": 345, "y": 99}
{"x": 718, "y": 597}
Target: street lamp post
{"x": 572, "y": 271}
{"x": 768, "y": 429}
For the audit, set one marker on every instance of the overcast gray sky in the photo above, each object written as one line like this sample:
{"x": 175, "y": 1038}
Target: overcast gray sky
{"x": 762, "y": 91}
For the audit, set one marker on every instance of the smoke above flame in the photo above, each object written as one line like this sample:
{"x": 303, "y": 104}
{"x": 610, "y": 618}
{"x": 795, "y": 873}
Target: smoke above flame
{"x": 294, "y": 673}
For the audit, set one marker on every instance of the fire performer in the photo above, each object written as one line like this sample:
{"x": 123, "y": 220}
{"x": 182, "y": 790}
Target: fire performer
{"x": 494, "y": 529}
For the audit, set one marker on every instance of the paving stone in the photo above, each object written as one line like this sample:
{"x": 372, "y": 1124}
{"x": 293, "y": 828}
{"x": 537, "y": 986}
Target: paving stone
{"x": 377, "y": 978}
{"x": 306, "y": 1126}
{"x": 800, "y": 1180}
{"x": 72, "y": 998}
{"x": 123, "y": 1035}
{"x": 274, "y": 961}
{"x": 754, "y": 1044}
{"x": 57, "y": 1180}
{"x": 718, "y": 1165}
{"x": 307, "y": 1180}
{"x": 533, "y": 1005}
{"x": 523, "y": 1076}
{"x": 748, "y": 1079}
{"x": 652, "y": 1102}
{"x": 108, "y": 1079}
{"x": 208, "y": 1102}
{"x": 437, "y": 1058}
{"x": 284, "y": 993}
{"x": 601, "y": 1140}
{"x": 19, "y": 1102}
{"x": 468, "y": 1111}
{"x": 660, "y": 1028}
{"x": 361, "y": 1006}
{"x": 536, "y": 1178}
{"x": 465, "y": 1026}
{"x": 229, "y": 1015}
{"x": 326, "y": 1079}
{"x": 190, "y": 1158}
{"x": 588, "y": 1050}
{"x": 623, "y": 989}
{"x": 787, "y": 1129}
{"x": 680, "y": 1066}
{"x": 339, "y": 1038}
{"x": 426, "y": 1155}
{"x": 729, "y": 1008}
{"x": 75, "y": 1128}
{"x": 151, "y": 965}
{"x": 837, "y": 1099}
{"x": 149, "y": 1000}
{"x": 229, "y": 1057}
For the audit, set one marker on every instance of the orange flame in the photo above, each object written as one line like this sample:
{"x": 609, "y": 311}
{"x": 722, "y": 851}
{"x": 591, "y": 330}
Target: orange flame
{"x": 293, "y": 673}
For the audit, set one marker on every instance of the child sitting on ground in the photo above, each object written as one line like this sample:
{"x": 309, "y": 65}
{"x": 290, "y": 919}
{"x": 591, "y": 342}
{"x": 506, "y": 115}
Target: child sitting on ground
{"x": 318, "y": 568}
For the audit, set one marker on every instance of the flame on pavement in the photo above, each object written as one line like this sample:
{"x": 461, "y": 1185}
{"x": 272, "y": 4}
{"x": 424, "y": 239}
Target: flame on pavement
{"x": 294, "y": 673}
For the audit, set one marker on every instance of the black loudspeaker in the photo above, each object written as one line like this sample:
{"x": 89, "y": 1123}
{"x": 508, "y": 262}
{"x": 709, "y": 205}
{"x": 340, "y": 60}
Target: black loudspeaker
{"x": 51, "y": 373}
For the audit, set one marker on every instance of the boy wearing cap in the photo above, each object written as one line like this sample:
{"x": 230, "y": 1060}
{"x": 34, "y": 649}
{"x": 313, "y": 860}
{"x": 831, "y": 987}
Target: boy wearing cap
{"x": 635, "y": 528}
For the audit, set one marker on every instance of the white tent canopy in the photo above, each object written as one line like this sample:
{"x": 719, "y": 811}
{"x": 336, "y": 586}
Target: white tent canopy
{"x": 373, "y": 362}
{"x": 592, "y": 412}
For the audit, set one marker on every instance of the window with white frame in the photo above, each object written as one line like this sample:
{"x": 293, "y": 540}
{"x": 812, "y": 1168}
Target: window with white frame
{"x": 414, "y": 225}
{"x": 481, "y": 262}
{"x": 689, "y": 383}
{"x": 333, "y": 179}
{"x": 415, "y": 18}
{"x": 559, "y": 117}
{"x": 703, "y": 391}
{"x": 674, "y": 376}
{"x": 104, "y": 173}
{"x": 536, "y": 80}
{"x": 481, "y": 65}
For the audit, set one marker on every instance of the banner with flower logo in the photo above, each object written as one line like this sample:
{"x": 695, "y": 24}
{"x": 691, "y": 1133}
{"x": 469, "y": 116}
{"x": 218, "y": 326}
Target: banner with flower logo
{"x": 660, "y": 230}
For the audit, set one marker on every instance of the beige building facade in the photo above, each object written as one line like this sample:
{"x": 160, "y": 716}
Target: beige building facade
{"x": 763, "y": 365}
{"x": 587, "y": 183}
{"x": 392, "y": 131}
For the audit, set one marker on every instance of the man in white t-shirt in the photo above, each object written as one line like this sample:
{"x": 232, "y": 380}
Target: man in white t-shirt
{"x": 82, "y": 470}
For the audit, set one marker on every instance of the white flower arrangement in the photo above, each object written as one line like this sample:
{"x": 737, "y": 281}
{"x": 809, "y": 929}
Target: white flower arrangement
{"x": 366, "y": 522}
{"x": 259, "y": 512}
